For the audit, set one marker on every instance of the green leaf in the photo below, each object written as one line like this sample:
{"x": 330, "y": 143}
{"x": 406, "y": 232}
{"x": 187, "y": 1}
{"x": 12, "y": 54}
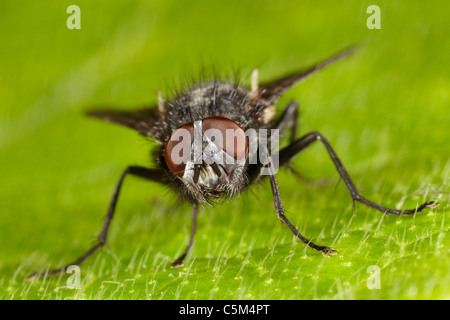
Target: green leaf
{"x": 384, "y": 110}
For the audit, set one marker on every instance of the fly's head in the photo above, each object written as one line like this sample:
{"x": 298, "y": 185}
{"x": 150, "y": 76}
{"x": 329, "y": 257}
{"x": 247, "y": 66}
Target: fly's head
{"x": 209, "y": 157}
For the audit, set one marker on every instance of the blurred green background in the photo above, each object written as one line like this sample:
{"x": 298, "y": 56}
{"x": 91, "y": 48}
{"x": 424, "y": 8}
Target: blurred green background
{"x": 385, "y": 110}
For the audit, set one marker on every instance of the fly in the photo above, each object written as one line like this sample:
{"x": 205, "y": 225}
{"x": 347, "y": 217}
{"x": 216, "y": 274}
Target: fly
{"x": 204, "y": 153}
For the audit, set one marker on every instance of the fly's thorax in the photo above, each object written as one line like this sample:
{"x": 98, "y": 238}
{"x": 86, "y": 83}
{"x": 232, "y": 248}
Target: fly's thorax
{"x": 214, "y": 99}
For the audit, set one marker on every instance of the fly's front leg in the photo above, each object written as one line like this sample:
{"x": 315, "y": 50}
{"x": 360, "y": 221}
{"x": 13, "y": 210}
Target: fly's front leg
{"x": 280, "y": 213}
{"x": 179, "y": 262}
{"x": 293, "y": 149}
{"x": 149, "y": 174}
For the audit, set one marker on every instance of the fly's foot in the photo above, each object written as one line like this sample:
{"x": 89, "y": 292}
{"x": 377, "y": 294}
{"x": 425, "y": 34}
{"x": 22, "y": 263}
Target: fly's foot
{"x": 327, "y": 252}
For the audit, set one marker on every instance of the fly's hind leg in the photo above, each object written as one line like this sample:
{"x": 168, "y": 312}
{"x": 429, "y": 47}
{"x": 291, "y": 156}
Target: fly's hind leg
{"x": 289, "y": 120}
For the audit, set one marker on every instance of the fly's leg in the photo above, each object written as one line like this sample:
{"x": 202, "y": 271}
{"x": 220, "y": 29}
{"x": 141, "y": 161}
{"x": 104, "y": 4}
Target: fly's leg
{"x": 179, "y": 262}
{"x": 149, "y": 174}
{"x": 280, "y": 213}
{"x": 289, "y": 119}
{"x": 293, "y": 149}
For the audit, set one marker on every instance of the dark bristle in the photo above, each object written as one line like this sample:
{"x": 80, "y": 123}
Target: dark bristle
{"x": 196, "y": 173}
{"x": 216, "y": 169}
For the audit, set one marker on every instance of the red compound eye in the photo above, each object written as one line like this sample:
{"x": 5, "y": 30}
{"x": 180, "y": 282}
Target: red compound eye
{"x": 226, "y": 134}
{"x": 178, "y": 148}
